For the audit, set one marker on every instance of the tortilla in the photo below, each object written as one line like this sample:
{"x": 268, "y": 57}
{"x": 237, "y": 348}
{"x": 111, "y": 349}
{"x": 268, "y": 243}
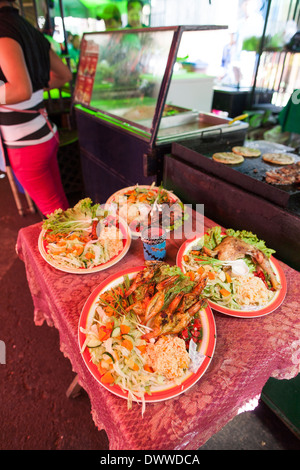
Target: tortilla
{"x": 246, "y": 152}
{"x": 278, "y": 158}
{"x": 229, "y": 158}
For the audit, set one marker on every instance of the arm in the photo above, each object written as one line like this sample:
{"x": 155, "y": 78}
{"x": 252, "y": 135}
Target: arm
{"x": 12, "y": 62}
{"x": 59, "y": 72}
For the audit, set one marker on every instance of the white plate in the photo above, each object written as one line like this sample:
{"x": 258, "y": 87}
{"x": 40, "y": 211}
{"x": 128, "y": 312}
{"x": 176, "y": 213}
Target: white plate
{"x": 134, "y": 223}
{"x": 166, "y": 391}
{"x": 246, "y": 312}
{"x": 42, "y": 244}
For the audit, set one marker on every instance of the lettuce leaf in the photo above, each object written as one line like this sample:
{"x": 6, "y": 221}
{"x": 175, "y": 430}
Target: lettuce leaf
{"x": 80, "y": 217}
{"x": 214, "y": 238}
{"x": 252, "y": 239}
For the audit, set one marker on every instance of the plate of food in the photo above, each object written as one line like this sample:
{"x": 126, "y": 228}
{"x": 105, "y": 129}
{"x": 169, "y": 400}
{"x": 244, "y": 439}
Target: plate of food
{"x": 83, "y": 239}
{"x": 143, "y": 205}
{"x": 146, "y": 334}
{"x": 243, "y": 278}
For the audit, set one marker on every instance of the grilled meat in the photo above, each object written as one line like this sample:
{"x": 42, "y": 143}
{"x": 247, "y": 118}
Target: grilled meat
{"x": 232, "y": 248}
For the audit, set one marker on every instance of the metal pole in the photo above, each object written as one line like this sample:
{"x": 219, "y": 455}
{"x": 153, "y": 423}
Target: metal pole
{"x": 63, "y": 25}
{"x": 261, "y": 47}
{"x": 295, "y": 10}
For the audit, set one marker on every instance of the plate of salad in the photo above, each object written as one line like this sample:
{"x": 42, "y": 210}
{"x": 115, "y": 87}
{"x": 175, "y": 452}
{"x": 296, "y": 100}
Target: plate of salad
{"x": 134, "y": 346}
{"x": 143, "y": 205}
{"x": 83, "y": 239}
{"x": 243, "y": 277}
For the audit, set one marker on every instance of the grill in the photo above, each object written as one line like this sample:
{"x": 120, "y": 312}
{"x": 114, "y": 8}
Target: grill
{"x": 249, "y": 175}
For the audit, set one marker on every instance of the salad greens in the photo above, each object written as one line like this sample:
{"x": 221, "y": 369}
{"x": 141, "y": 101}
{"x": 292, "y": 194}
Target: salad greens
{"x": 214, "y": 236}
{"x": 252, "y": 239}
{"x": 80, "y": 217}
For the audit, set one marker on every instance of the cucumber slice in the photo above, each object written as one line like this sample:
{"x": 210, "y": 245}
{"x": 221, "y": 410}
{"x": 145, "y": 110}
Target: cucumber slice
{"x": 128, "y": 336}
{"x": 109, "y": 355}
{"x": 94, "y": 343}
{"x": 116, "y": 332}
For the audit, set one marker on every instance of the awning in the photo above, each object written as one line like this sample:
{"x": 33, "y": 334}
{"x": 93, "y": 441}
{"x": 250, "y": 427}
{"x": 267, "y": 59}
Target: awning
{"x": 72, "y": 8}
{"x": 86, "y": 8}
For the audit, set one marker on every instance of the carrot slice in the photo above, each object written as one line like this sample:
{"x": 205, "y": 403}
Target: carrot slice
{"x": 191, "y": 275}
{"x": 109, "y": 325}
{"x": 134, "y": 366}
{"x": 107, "y": 378}
{"x": 224, "y": 292}
{"x": 127, "y": 344}
{"x": 124, "y": 329}
{"x": 101, "y": 369}
{"x": 211, "y": 275}
{"x": 104, "y": 333}
{"x": 142, "y": 348}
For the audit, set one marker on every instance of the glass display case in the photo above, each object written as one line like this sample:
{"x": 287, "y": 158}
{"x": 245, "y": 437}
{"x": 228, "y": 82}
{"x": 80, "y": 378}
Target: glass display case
{"x": 129, "y": 101}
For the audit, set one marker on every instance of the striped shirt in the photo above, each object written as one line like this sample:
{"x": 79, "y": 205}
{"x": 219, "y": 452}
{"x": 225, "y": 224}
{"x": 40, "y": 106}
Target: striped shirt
{"x": 19, "y": 128}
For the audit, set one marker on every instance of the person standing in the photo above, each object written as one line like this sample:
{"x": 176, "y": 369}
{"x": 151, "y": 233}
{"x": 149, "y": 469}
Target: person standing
{"x": 112, "y": 17}
{"x": 134, "y": 14}
{"x": 28, "y": 65}
{"x": 74, "y": 48}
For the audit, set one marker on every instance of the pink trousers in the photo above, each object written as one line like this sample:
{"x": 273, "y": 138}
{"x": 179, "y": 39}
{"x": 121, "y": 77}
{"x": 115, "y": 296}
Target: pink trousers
{"x": 36, "y": 168}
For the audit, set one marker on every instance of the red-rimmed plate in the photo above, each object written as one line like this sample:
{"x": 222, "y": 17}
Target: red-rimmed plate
{"x": 134, "y": 219}
{"x": 254, "y": 312}
{"x": 169, "y": 390}
{"x": 126, "y": 241}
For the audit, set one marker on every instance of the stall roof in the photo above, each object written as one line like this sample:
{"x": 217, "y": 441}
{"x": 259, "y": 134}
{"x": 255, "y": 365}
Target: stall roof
{"x": 88, "y": 8}
{"x": 73, "y": 8}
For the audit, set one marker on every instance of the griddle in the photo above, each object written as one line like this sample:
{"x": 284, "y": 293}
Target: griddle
{"x": 249, "y": 175}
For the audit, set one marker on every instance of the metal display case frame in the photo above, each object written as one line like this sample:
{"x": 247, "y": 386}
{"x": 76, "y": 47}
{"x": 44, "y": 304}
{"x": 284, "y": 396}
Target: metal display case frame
{"x": 123, "y": 151}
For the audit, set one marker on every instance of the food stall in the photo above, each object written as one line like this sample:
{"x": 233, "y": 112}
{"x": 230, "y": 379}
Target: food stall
{"x": 129, "y": 132}
{"x": 128, "y": 102}
{"x": 255, "y": 194}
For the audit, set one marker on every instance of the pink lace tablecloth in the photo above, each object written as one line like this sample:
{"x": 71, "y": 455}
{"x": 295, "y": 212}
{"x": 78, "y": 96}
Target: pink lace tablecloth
{"x": 247, "y": 353}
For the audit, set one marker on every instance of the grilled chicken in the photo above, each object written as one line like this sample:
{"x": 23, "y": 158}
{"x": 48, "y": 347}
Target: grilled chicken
{"x": 232, "y": 248}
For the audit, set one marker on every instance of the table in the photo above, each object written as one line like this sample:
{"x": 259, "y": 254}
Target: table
{"x": 247, "y": 353}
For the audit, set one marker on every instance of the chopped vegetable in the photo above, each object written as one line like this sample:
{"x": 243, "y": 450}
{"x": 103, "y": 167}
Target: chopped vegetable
{"x": 224, "y": 292}
{"x": 71, "y": 238}
{"x": 107, "y": 378}
{"x": 124, "y": 329}
{"x": 79, "y": 217}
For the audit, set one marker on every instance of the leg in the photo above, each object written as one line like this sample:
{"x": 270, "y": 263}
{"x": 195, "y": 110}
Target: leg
{"x": 30, "y": 203}
{"x": 14, "y": 190}
{"x": 37, "y": 170}
{"x": 74, "y": 388}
